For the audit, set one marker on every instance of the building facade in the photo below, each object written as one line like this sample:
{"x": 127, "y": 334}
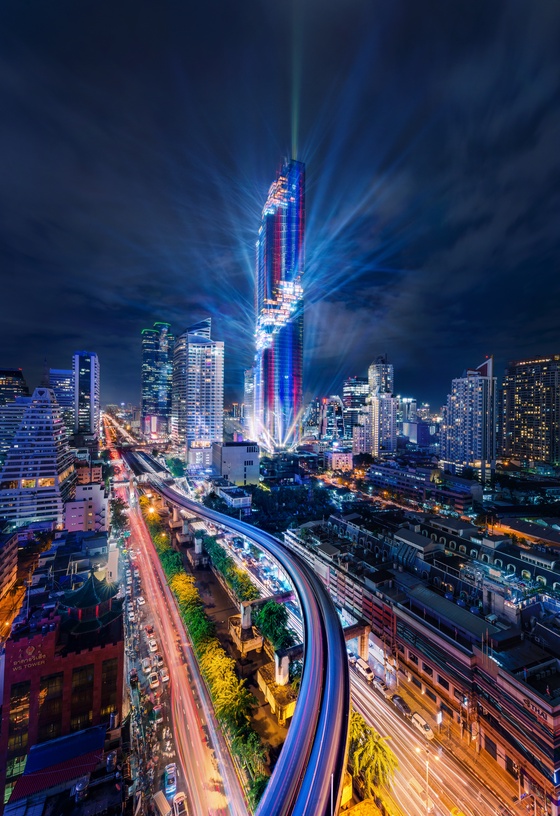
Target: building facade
{"x": 12, "y": 385}
{"x": 9, "y": 545}
{"x": 11, "y": 415}
{"x": 64, "y": 670}
{"x": 331, "y": 420}
{"x": 280, "y": 258}
{"x": 383, "y": 408}
{"x": 531, "y": 410}
{"x": 88, "y": 510}
{"x": 38, "y": 476}
{"x": 197, "y": 417}
{"x": 238, "y": 462}
{"x": 61, "y": 383}
{"x": 249, "y": 402}
{"x": 86, "y": 393}
{"x": 354, "y": 393}
{"x": 157, "y": 378}
{"x": 469, "y": 427}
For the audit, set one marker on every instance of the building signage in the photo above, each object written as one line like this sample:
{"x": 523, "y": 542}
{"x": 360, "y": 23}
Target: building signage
{"x": 29, "y": 658}
{"x": 535, "y": 708}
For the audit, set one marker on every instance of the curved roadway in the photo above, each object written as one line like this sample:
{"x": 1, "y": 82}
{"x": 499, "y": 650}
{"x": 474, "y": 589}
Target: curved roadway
{"x": 309, "y": 774}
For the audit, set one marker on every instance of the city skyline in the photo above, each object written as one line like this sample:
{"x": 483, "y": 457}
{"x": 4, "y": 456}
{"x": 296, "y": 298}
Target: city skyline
{"x": 431, "y": 189}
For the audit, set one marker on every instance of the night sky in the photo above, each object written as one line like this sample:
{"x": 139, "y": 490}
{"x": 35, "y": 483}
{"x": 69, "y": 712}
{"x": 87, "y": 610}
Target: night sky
{"x": 138, "y": 140}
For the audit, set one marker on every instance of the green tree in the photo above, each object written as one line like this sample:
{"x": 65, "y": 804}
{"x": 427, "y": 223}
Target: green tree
{"x": 271, "y": 620}
{"x": 369, "y": 756}
{"x": 119, "y": 519}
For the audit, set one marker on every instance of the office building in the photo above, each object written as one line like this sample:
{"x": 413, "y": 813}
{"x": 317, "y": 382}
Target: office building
{"x": 11, "y": 415}
{"x": 197, "y": 416}
{"x": 61, "y": 383}
{"x": 331, "y": 420}
{"x": 86, "y": 394}
{"x": 12, "y": 385}
{"x": 280, "y": 251}
{"x": 469, "y": 427}
{"x": 531, "y": 410}
{"x": 406, "y": 410}
{"x": 37, "y": 476}
{"x": 383, "y": 407}
{"x": 64, "y": 667}
{"x": 157, "y": 377}
{"x": 248, "y": 401}
{"x": 238, "y": 462}
{"x": 381, "y": 378}
{"x": 354, "y": 393}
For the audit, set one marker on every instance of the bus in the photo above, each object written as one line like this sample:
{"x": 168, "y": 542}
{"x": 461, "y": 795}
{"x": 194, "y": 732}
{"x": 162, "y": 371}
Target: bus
{"x": 364, "y": 669}
{"x": 163, "y": 807}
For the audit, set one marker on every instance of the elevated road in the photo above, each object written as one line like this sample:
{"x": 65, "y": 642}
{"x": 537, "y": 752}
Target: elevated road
{"x": 309, "y": 774}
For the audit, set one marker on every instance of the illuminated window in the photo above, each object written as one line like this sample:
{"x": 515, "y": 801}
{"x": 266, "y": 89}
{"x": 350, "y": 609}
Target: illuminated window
{"x": 28, "y": 482}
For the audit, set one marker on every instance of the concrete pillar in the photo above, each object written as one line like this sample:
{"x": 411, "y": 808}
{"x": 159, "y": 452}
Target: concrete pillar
{"x": 198, "y": 545}
{"x": 246, "y": 621}
{"x": 176, "y": 516}
{"x": 363, "y": 645}
{"x": 282, "y": 669}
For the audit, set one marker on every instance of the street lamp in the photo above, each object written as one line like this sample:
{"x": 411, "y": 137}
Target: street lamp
{"x": 427, "y": 750}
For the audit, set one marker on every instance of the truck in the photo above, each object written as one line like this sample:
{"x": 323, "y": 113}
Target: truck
{"x": 163, "y": 808}
{"x": 364, "y": 669}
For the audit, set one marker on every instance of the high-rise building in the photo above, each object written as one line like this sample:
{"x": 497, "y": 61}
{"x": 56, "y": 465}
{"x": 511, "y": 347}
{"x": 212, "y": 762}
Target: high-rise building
{"x": 381, "y": 377}
{"x": 383, "y": 424}
{"x": 469, "y": 427}
{"x": 248, "y": 401}
{"x": 38, "y": 473}
{"x": 354, "y": 393}
{"x": 12, "y": 385}
{"x": 197, "y": 416}
{"x": 279, "y": 307}
{"x": 86, "y": 393}
{"x": 11, "y": 415}
{"x": 332, "y": 419}
{"x": 531, "y": 410}
{"x": 61, "y": 382}
{"x": 157, "y": 377}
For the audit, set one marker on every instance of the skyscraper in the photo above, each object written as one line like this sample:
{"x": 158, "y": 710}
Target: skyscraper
{"x": 197, "y": 415}
{"x": 381, "y": 377}
{"x": 248, "y": 402}
{"x": 354, "y": 393}
{"x": 383, "y": 423}
{"x": 531, "y": 410}
{"x": 61, "y": 382}
{"x": 38, "y": 473}
{"x": 86, "y": 393}
{"x": 279, "y": 306}
{"x": 331, "y": 422}
{"x": 469, "y": 428}
{"x": 12, "y": 385}
{"x": 157, "y": 376}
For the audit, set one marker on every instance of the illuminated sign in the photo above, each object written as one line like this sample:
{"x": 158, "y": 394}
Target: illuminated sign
{"x": 535, "y": 708}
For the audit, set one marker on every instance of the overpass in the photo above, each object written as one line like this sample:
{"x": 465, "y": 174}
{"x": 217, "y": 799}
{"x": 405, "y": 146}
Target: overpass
{"x": 309, "y": 774}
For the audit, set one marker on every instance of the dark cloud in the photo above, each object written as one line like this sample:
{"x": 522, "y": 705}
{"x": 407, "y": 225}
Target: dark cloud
{"x": 138, "y": 142}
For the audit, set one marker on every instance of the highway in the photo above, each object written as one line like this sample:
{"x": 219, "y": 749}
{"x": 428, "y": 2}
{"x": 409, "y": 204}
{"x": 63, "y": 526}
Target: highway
{"x": 308, "y": 777}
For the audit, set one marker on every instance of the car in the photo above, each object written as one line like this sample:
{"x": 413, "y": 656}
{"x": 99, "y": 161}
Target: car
{"x": 164, "y": 674}
{"x": 456, "y": 812}
{"x": 137, "y": 573}
{"x": 153, "y": 680}
{"x": 133, "y": 677}
{"x": 140, "y": 600}
{"x": 149, "y": 630}
{"x": 146, "y": 665}
{"x": 420, "y": 723}
{"x": 152, "y": 645}
{"x": 129, "y": 581}
{"x": 180, "y": 804}
{"x": 170, "y": 779}
{"x": 352, "y": 658}
{"x": 401, "y": 704}
{"x": 131, "y": 616}
{"x": 381, "y": 685}
{"x": 157, "y": 711}
{"x": 158, "y": 660}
